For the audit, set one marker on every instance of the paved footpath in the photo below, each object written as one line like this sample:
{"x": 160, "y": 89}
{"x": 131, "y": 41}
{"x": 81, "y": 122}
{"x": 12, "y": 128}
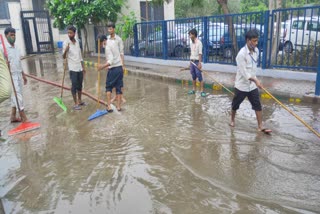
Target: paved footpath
{"x": 289, "y": 85}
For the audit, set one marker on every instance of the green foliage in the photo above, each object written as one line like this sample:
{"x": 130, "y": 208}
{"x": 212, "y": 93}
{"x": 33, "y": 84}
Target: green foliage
{"x": 125, "y": 26}
{"x": 197, "y": 8}
{"x": 81, "y": 12}
{"x": 299, "y": 3}
{"x": 184, "y": 9}
{"x": 253, "y": 5}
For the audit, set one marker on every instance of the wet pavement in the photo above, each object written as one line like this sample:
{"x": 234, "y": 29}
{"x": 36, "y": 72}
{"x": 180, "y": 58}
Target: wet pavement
{"x": 166, "y": 152}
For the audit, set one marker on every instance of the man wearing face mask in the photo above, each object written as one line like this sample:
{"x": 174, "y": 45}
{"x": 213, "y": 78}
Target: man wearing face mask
{"x": 17, "y": 73}
{"x": 247, "y": 84}
{"x": 72, "y": 51}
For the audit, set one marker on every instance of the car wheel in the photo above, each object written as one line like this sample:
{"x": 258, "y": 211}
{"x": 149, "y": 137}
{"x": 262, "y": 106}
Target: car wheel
{"x": 227, "y": 53}
{"x": 288, "y": 47}
{"x": 178, "y": 51}
{"x": 142, "y": 52}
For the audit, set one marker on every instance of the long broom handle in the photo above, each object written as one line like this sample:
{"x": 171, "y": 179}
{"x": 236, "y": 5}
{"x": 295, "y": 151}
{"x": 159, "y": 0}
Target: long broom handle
{"x": 9, "y": 69}
{"x": 213, "y": 79}
{"x": 64, "y": 73}
{"x": 291, "y": 112}
{"x": 98, "y": 103}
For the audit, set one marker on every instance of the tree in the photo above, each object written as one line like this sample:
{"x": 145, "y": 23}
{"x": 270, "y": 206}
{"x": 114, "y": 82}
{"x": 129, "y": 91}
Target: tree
{"x": 275, "y": 41}
{"x": 226, "y": 11}
{"x": 124, "y": 28}
{"x": 253, "y": 5}
{"x": 82, "y": 12}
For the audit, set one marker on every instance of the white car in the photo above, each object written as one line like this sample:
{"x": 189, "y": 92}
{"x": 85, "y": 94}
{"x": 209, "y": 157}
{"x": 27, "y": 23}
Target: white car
{"x": 301, "y": 31}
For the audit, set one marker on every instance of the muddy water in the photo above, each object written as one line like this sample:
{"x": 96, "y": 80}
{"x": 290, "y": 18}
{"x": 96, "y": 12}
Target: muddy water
{"x": 166, "y": 152}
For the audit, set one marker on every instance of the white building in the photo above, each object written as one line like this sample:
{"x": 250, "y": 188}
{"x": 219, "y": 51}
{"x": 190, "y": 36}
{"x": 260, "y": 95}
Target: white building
{"x": 10, "y": 16}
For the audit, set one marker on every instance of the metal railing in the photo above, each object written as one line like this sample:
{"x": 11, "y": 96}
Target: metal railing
{"x": 289, "y": 38}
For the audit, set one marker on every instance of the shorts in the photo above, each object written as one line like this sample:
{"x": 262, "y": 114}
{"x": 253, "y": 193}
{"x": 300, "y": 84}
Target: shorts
{"x": 76, "y": 78}
{"x": 253, "y": 96}
{"x": 115, "y": 79}
{"x": 195, "y": 72}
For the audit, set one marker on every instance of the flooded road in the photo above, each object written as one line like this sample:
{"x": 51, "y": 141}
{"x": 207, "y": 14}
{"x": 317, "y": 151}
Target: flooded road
{"x": 166, "y": 152}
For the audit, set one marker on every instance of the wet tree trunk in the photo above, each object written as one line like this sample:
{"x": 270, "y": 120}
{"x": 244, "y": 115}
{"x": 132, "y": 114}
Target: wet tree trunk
{"x": 225, "y": 9}
{"x": 85, "y": 46}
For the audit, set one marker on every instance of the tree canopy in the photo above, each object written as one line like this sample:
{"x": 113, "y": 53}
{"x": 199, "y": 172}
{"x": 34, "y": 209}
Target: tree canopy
{"x": 81, "y": 12}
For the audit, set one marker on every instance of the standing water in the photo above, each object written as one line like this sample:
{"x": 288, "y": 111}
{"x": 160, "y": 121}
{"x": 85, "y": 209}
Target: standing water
{"x": 166, "y": 152}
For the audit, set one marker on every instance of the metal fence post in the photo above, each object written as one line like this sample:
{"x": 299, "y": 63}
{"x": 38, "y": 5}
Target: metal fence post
{"x": 317, "y": 90}
{"x": 205, "y": 40}
{"x": 164, "y": 40}
{"x": 135, "y": 40}
{"x": 265, "y": 39}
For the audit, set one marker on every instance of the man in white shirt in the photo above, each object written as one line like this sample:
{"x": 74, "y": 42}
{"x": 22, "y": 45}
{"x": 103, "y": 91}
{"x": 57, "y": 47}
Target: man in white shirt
{"x": 196, "y": 59}
{"x": 115, "y": 72}
{"x": 17, "y": 74}
{"x": 113, "y": 37}
{"x": 247, "y": 84}
{"x": 72, "y": 51}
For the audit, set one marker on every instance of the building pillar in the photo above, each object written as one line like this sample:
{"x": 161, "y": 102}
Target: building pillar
{"x": 14, "y": 11}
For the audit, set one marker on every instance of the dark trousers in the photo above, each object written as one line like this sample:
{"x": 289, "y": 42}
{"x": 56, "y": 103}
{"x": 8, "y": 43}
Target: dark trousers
{"x": 76, "y": 81}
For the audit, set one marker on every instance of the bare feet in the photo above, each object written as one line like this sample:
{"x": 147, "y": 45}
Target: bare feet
{"x": 231, "y": 124}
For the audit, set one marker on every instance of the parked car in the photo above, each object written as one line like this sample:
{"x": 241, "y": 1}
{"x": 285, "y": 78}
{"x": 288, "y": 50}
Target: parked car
{"x": 301, "y": 31}
{"x": 215, "y": 32}
{"x": 226, "y": 45}
{"x": 281, "y": 37}
{"x": 153, "y": 44}
{"x": 240, "y": 30}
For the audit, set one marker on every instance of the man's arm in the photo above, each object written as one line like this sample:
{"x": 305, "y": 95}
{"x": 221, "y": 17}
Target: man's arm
{"x": 25, "y": 80}
{"x": 200, "y": 55}
{"x": 109, "y": 58}
{"x": 65, "y": 49}
{"x": 121, "y": 49}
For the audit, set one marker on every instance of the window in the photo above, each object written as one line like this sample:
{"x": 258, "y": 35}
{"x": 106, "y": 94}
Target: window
{"x": 298, "y": 25}
{"x": 38, "y": 4}
{"x": 4, "y": 11}
{"x": 313, "y": 26}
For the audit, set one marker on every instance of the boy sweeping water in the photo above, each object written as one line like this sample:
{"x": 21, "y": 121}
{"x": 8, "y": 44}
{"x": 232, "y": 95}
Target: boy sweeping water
{"x": 115, "y": 71}
{"x": 196, "y": 61}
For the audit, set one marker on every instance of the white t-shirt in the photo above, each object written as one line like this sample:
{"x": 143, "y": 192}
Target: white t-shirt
{"x": 246, "y": 69}
{"x": 113, "y": 54}
{"x": 14, "y": 57}
{"x": 118, "y": 41}
{"x": 74, "y": 55}
{"x": 196, "y": 49}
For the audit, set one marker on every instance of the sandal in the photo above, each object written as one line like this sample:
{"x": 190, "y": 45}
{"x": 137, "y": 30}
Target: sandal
{"x": 109, "y": 109}
{"x": 266, "y": 131}
{"x": 76, "y": 107}
{"x": 203, "y": 94}
{"x": 191, "y": 92}
{"x": 16, "y": 120}
{"x": 83, "y": 104}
